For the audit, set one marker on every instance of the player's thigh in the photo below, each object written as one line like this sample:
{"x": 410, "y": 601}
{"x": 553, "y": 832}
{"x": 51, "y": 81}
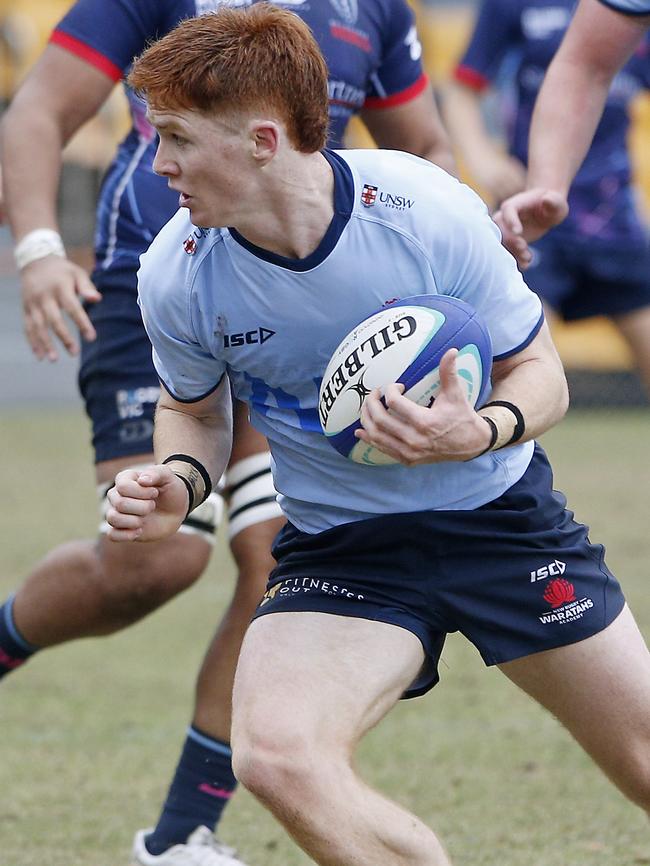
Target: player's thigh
{"x": 599, "y": 688}
{"x": 319, "y": 678}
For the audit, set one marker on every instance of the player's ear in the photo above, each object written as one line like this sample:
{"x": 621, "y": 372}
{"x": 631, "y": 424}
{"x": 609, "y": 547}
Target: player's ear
{"x": 265, "y": 137}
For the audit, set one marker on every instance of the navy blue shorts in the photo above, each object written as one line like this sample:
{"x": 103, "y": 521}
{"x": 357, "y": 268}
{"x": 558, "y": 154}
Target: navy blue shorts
{"x": 579, "y": 280}
{"x": 516, "y": 576}
{"x": 117, "y": 378}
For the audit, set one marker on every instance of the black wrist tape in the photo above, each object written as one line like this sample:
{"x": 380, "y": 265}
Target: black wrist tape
{"x": 200, "y": 469}
{"x": 493, "y": 437}
{"x": 520, "y": 425}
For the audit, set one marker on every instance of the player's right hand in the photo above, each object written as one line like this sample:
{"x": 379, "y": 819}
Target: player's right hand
{"x": 146, "y": 504}
{"x": 52, "y": 286}
{"x": 526, "y": 216}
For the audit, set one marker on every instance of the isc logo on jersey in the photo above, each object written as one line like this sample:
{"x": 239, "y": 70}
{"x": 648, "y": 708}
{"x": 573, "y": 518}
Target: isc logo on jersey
{"x": 402, "y": 343}
{"x": 247, "y": 338}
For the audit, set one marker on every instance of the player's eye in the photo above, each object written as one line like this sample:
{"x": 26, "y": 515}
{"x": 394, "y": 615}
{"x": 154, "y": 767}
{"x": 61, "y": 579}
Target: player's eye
{"x": 178, "y": 139}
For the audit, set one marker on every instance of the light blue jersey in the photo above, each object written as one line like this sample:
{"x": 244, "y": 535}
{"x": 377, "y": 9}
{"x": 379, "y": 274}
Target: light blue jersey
{"x": 214, "y": 304}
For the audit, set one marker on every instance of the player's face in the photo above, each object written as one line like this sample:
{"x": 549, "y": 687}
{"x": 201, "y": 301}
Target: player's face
{"x": 205, "y": 159}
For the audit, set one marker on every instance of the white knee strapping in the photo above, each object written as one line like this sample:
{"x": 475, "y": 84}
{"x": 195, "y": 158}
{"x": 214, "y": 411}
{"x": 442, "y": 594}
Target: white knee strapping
{"x": 203, "y": 521}
{"x": 250, "y": 493}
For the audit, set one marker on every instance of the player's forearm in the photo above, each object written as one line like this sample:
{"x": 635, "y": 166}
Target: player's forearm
{"x": 31, "y": 146}
{"x": 566, "y": 115}
{"x": 461, "y": 109}
{"x": 205, "y": 437}
{"x": 535, "y": 383}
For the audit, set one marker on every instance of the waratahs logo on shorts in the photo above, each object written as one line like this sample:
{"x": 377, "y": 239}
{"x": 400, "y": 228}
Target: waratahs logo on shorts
{"x": 368, "y": 195}
{"x": 348, "y": 10}
{"x": 565, "y": 606}
{"x": 558, "y": 592}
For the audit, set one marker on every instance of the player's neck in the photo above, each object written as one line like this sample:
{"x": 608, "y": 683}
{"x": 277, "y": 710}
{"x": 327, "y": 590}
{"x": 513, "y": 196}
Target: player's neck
{"x": 294, "y": 207}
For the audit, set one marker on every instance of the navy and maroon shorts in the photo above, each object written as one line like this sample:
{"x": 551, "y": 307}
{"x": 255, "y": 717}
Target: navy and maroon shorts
{"x": 516, "y": 576}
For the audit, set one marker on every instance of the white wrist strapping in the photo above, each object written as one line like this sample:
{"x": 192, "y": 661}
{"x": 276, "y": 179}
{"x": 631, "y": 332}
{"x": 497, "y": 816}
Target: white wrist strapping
{"x": 36, "y": 245}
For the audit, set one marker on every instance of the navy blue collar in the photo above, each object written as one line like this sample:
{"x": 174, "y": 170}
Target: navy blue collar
{"x": 343, "y": 203}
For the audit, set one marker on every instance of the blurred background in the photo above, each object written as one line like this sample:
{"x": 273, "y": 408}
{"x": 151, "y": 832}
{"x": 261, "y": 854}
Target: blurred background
{"x": 597, "y": 360}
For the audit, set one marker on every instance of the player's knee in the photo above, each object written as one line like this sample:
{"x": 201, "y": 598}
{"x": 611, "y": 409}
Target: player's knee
{"x": 278, "y": 766}
{"x": 137, "y": 579}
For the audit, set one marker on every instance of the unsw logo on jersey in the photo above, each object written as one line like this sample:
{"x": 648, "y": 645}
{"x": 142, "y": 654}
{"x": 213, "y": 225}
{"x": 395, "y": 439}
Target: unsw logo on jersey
{"x": 190, "y": 244}
{"x": 370, "y": 194}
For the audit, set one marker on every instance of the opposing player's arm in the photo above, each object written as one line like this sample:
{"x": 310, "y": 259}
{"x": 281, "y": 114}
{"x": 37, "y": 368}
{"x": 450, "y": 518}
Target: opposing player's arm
{"x": 496, "y": 173}
{"x": 59, "y": 95}
{"x": 569, "y": 106}
{"x": 192, "y": 442}
{"x": 414, "y": 126}
{"x": 531, "y": 383}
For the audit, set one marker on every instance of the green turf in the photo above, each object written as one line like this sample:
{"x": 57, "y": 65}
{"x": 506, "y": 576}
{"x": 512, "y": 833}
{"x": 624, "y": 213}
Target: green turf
{"x": 89, "y": 732}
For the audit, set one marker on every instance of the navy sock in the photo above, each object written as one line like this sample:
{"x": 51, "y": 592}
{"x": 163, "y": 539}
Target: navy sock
{"x": 200, "y": 790}
{"x": 14, "y": 649}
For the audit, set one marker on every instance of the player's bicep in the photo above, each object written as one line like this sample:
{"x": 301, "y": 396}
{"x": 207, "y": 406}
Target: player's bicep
{"x": 414, "y": 126}
{"x": 601, "y": 39}
{"x": 215, "y": 405}
{"x": 65, "y": 87}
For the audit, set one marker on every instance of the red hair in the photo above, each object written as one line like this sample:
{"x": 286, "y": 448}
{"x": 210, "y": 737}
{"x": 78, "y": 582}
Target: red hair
{"x": 256, "y": 58}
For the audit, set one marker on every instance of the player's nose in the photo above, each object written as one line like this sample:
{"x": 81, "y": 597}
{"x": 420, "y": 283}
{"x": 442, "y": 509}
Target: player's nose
{"x": 163, "y": 165}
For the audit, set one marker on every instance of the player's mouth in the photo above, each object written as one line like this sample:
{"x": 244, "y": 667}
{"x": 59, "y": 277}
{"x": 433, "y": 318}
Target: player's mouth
{"x": 184, "y": 199}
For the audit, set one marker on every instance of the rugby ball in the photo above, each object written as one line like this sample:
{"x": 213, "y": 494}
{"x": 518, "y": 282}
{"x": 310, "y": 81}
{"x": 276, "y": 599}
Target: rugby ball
{"x": 403, "y": 343}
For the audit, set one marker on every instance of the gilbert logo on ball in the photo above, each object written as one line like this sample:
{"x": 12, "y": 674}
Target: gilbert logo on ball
{"x": 401, "y": 343}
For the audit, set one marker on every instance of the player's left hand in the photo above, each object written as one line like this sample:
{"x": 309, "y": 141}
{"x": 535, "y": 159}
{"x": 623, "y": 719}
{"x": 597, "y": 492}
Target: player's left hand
{"x": 449, "y": 430}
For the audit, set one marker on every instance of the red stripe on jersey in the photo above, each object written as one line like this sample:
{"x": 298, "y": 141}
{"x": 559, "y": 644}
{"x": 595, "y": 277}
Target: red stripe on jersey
{"x": 398, "y": 98}
{"x": 85, "y": 52}
{"x": 470, "y": 77}
{"x": 351, "y": 36}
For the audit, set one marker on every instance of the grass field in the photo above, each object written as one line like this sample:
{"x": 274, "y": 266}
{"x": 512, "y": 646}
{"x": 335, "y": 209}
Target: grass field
{"x": 90, "y": 731}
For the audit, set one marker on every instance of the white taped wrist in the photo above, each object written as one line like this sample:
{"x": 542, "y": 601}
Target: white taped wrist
{"x": 36, "y": 245}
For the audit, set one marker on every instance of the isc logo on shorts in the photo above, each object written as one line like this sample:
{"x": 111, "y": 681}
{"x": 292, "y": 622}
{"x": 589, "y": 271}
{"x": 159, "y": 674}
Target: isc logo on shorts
{"x": 553, "y": 569}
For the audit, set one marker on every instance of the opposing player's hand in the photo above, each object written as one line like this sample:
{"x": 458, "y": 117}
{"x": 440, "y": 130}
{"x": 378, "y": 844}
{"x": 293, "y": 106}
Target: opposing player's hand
{"x": 146, "y": 504}
{"x": 526, "y": 216}
{"x": 52, "y": 286}
{"x": 449, "y": 430}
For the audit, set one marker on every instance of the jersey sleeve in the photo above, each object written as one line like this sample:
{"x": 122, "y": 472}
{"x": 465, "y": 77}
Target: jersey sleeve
{"x": 108, "y": 34}
{"x": 495, "y": 33}
{"x": 629, "y": 7}
{"x": 470, "y": 263}
{"x": 184, "y": 364}
{"x": 400, "y": 76}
